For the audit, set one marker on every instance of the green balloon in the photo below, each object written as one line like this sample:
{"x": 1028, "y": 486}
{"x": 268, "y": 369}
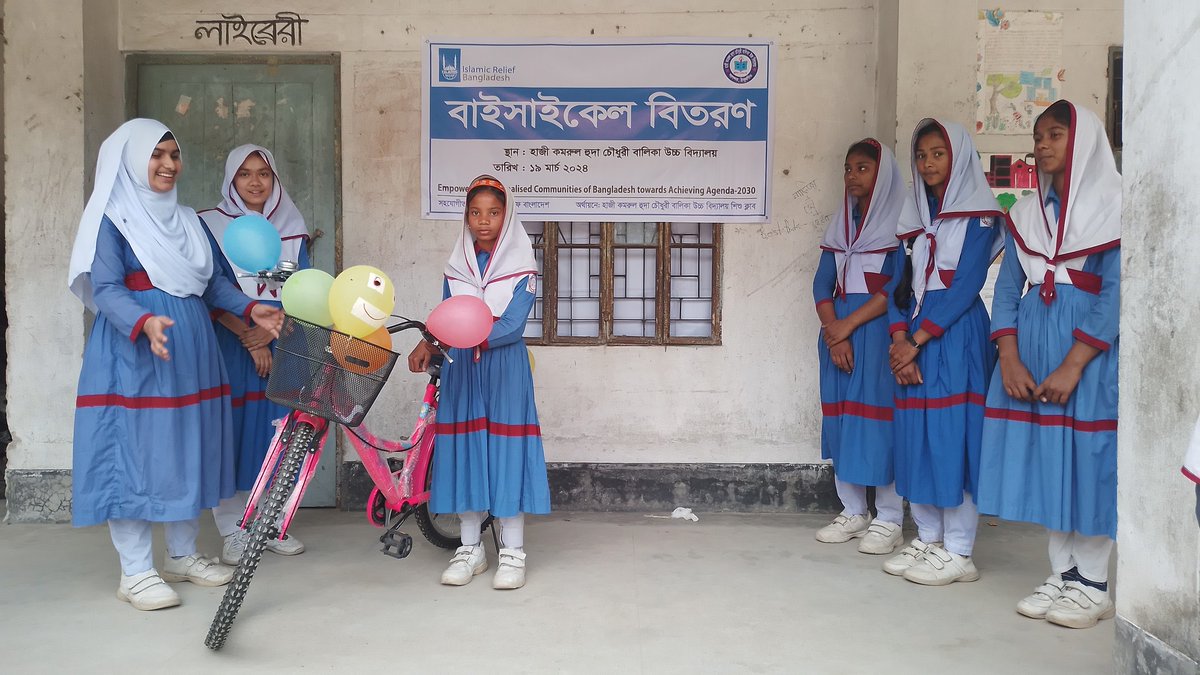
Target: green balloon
{"x": 305, "y": 296}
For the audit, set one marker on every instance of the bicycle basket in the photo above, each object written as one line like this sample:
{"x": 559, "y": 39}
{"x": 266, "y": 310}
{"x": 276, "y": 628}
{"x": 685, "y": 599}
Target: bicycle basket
{"x": 326, "y": 372}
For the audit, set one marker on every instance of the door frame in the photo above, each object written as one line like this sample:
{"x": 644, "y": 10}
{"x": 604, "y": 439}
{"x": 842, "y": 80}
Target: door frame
{"x": 135, "y": 60}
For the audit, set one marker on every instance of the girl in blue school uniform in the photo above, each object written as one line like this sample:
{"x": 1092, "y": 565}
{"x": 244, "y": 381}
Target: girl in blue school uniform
{"x": 858, "y": 259}
{"x": 488, "y": 455}
{"x": 1050, "y": 437}
{"x": 152, "y": 422}
{"x": 940, "y": 353}
{"x": 251, "y": 185}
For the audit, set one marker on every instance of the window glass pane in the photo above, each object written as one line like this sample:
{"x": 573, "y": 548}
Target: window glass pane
{"x": 634, "y": 283}
{"x": 579, "y": 281}
{"x": 691, "y": 280}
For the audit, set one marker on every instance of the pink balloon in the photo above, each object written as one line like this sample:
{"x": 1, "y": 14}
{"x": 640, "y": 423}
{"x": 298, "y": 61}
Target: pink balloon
{"x": 462, "y": 321}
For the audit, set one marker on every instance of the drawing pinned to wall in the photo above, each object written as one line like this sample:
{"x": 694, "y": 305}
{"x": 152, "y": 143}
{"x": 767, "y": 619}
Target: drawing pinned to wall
{"x": 1011, "y": 176}
{"x": 1018, "y": 69}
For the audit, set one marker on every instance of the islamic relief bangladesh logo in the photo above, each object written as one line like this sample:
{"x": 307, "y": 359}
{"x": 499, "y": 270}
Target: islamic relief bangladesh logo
{"x": 741, "y": 65}
{"x": 448, "y": 68}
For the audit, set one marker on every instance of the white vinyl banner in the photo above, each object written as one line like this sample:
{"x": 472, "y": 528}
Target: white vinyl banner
{"x": 676, "y": 131}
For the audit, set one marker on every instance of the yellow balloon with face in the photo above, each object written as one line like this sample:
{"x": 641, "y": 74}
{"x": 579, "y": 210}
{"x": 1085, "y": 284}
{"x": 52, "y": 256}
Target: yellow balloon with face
{"x": 361, "y": 300}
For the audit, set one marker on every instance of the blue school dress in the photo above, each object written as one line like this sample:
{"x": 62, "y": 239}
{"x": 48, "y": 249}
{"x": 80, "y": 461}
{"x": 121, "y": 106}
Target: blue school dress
{"x": 939, "y": 423}
{"x": 856, "y": 407}
{"x": 488, "y": 454}
{"x": 253, "y": 412}
{"x": 1045, "y": 463}
{"x": 153, "y": 438}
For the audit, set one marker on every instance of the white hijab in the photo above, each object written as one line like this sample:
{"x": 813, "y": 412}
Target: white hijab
{"x": 967, "y": 196}
{"x": 865, "y": 250}
{"x": 511, "y": 260}
{"x": 1089, "y": 218}
{"x": 280, "y": 210}
{"x": 166, "y": 237}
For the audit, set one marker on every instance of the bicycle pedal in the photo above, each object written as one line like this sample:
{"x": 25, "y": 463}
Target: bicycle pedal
{"x": 396, "y": 544}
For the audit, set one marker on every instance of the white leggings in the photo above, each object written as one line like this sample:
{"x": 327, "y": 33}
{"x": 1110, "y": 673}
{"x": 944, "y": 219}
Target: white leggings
{"x": 512, "y": 530}
{"x": 229, "y": 511}
{"x": 955, "y": 526}
{"x": 888, "y": 504}
{"x": 135, "y": 543}
{"x": 1088, "y": 554}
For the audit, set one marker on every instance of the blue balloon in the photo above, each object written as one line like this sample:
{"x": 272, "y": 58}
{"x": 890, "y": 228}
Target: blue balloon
{"x": 252, "y": 243}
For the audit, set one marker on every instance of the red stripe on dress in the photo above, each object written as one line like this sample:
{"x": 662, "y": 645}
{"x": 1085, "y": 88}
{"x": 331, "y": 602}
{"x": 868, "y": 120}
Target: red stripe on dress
{"x": 138, "y": 281}
{"x": 941, "y": 402}
{"x": 856, "y": 409}
{"x": 494, "y": 428}
{"x": 1189, "y": 474}
{"x": 250, "y": 396}
{"x": 1049, "y": 420}
{"x": 150, "y": 402}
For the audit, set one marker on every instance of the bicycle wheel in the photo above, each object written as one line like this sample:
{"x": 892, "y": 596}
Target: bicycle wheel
{"x": 263, "y": 529}
{"x": 441, "y": 529}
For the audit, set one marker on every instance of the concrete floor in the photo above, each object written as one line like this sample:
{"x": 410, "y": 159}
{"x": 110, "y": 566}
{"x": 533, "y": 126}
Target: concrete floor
{"x": 607, "y": 593}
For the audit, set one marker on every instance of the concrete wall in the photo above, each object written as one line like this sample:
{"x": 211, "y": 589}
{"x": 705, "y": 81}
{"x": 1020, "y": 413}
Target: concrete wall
{"x": 1158, "y": 587}
{"x": 44, "y": 188}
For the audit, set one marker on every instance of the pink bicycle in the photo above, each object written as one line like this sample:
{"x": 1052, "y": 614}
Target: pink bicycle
{"x": 326, "y": 376}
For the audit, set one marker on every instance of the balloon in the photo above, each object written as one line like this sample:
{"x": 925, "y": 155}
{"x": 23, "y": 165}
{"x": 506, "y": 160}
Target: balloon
{"x": 357, "y": 357}
{"x": 532, "y": 363}
{"x": 360, "y": 300}
{"x": 305, "y": 295}
{"x": 252, "y": 243}
{"x": 462, "y": 321}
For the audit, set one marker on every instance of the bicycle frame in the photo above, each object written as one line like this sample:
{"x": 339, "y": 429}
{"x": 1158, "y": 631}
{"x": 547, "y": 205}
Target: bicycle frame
{"x": 398, "y": 487}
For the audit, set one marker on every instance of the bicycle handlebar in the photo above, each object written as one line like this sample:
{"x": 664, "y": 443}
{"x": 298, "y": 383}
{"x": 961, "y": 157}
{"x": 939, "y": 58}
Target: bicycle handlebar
{"x": 282, "y": 272}
{"x": 407, "y": 324}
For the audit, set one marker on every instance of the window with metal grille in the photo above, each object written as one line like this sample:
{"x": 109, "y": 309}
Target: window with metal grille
{"x": 1115, "y": 100}
{"x": 626, "y": 283}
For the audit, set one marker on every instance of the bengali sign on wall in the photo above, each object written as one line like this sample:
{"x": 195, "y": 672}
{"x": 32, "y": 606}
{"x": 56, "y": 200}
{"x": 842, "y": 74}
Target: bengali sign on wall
{"x": 601, "y": 131}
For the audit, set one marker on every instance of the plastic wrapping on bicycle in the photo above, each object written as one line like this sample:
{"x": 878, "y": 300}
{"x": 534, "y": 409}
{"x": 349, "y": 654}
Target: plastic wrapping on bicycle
{"x": 327, "y": 373}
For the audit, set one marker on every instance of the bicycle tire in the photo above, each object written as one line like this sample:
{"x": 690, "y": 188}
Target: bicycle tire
{"x": 263, "y": 529}
{"x": 431, "y": 530}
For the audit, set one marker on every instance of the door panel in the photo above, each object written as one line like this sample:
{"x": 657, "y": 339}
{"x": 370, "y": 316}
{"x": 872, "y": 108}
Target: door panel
{"x": 288, "y": 108}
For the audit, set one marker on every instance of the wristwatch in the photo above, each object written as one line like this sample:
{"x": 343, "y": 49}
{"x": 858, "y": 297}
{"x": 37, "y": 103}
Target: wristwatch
{"x": 912, "y": 341}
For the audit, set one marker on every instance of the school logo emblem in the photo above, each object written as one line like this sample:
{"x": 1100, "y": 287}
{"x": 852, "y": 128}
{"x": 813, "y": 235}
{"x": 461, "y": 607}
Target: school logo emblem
{"x": 741, "y": 65}
{"x": 448, "y": 66}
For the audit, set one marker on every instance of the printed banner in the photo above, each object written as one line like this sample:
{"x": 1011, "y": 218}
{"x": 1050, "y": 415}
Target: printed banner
{"x": 634, "y": 131}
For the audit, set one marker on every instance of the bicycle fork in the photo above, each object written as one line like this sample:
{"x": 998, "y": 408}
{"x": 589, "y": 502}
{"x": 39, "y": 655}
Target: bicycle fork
{"x": 285, "y": 429}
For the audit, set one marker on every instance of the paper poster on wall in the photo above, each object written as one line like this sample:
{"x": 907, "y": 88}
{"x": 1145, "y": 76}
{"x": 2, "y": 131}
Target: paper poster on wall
{"x": 625, "y": 131}
{"x": 1011, "y": 176}
{"x": 1018, "y": 70}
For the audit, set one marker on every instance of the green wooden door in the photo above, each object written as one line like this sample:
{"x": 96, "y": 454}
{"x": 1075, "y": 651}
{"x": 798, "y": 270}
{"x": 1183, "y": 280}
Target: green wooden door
{"x": 290, "y": 109}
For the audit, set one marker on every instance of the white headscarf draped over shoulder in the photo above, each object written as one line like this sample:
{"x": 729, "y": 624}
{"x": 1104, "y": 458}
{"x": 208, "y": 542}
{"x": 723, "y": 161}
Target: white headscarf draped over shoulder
{"x": 280, "y": 210}
{"x": 876, "y": 235}
{"x": 967, "y": 196}
{"x": 1089, "y": 218}
{"x": 166, "y": 237}
{"x": 511, "y": 260}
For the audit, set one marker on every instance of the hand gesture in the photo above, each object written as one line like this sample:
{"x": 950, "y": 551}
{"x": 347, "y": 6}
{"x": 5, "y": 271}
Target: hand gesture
{"x": 837, "y": 331}
{"x": 901, "y": 353}
{"x": 155, "y": 329}
{"x": 1059, "y": 386}
{"x": 268, "y": 318}
{"x": 262, "y": 361}
{"x": 1018, "y": 383}
{"x": 255, "y": 337}
{"x": 909, "y": 375}
{"x": 420, "y": 357}
{"x": 842, "y": 355}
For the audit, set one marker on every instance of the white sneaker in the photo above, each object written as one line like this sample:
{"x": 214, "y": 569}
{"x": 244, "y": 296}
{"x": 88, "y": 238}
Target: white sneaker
{"x": 467, "y": 562}
{"x": 146, "y": 591}
{"x": 198, "y": 570}
{"x": 940, "y": 567}
{"x": 843, "y": 529}
{"x": 235, "y": 545}
{"x": 881, "y": 538}
{"x": 289, "y": 545}
{"x": 1080, "y": 606}
{"x": 911, "y": 555}
{"x": 510, "y": 573}
{"x": 1036, "y": 604}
